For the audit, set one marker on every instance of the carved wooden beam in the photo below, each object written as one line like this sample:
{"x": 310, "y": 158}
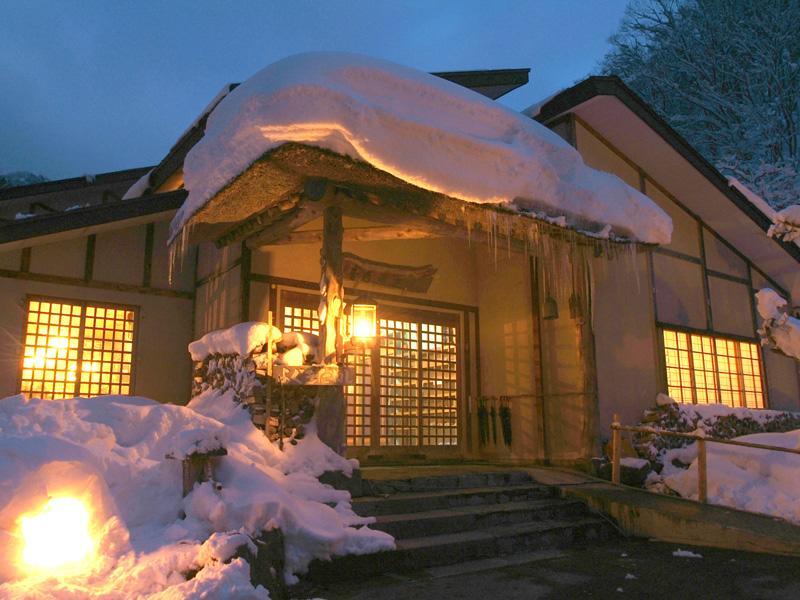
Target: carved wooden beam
{"x": 355, "y": 234}
{"x": 331, "y": 285}
{"x": 413, "y": 279}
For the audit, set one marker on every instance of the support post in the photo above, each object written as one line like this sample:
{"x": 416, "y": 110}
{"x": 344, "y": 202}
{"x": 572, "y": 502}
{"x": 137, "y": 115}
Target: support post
{"x": 702, "y": 472}
{"x": 616, "y": 450}
{"x": 331, "y": 285}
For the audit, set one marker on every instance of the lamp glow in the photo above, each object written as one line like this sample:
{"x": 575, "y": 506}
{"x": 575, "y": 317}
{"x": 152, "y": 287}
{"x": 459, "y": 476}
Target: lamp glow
{"x": 364, "y": 321}
{"x": 58, "y": 536}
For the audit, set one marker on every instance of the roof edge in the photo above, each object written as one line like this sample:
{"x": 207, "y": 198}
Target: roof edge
{"x": 612, "y": 85}
{"x": 97, "y": 214}
{"x": 57, "y": 185}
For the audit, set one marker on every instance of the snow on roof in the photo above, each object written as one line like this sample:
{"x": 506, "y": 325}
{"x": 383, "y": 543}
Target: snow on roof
{"x": 139, "y": 187}
{"x": 753, "y": 198}
{"x": 420, "y": 128}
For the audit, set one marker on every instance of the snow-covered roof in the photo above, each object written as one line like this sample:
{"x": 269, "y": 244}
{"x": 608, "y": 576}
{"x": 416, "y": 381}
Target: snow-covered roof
{"x": 424, "y": 130}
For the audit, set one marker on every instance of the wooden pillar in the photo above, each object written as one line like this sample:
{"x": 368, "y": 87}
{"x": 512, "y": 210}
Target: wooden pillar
{"x": 616, "y": 450}
{"x": 331, "y": 285}
{"x": 702, "y": 471}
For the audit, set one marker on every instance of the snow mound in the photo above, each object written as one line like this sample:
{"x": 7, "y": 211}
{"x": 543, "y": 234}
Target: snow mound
{"x": 751, "y": 479}
{"x": 240, "y": 339}
{"x": 420, "y": 128}
{"x": 119, "y": 456}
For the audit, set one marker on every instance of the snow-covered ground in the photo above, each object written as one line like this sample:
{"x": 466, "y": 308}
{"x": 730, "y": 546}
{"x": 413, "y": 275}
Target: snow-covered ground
{"x": 749, "y": 479}
{"x": 121, "y": 456}
{"x": 420, "y": 128}
{"x": 763, "y": 481}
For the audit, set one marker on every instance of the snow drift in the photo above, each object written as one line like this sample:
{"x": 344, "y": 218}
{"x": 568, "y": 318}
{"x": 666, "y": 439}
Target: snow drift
{"x": 422, "y": 129}
{"x": 121, "y": 456}
{"x": 763, "y": 481}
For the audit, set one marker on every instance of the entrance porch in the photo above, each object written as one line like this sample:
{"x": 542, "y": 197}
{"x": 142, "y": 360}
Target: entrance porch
{"x": 484, "y": 349}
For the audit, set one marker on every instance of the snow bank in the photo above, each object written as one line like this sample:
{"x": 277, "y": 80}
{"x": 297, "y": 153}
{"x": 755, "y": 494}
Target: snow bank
{"x": 112, "y": 453}
{"x": 240, "y": 339}
{"x": 779, "y": 330}
{"x": 749, "y": 479}
{"x": 420, "y": 128}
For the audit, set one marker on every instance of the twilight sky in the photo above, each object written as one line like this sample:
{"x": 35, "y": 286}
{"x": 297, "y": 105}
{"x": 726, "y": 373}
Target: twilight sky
{"x": 89, "y": 86}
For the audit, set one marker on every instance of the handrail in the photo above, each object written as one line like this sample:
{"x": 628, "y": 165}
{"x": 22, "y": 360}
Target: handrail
{"x": 702, "y": 464}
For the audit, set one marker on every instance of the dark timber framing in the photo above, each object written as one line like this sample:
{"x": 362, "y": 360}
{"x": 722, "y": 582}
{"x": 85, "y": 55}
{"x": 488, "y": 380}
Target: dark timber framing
{"x": 646, "y": 180}
{"x": 90, "y": 216}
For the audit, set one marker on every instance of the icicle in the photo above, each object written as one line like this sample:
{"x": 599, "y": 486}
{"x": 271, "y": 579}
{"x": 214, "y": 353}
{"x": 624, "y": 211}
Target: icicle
{"x": 493, "y": 217}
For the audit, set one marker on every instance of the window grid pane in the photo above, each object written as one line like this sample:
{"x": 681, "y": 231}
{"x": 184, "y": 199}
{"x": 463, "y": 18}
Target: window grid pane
{"x": 439, "y": 385}
{"x": 399, "y": 397}
{"x": 76, "y": 349}
{"x": 359, "y": 400}
{"x": 702, "y": 369}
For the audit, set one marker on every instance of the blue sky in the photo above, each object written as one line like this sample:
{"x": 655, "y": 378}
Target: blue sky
{"x": 90, "y": 86}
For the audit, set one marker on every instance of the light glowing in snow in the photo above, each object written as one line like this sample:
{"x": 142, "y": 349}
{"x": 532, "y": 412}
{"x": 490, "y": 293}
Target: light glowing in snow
{"x": 57, "y": 537}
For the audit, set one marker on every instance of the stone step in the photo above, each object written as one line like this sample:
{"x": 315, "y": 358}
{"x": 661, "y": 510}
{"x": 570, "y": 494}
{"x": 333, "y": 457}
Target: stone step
{"x": 437, "y": 550}
{"x": 464, "y": 518}
{"x": 378, "y": 487}
{"x": 414, "y": 502}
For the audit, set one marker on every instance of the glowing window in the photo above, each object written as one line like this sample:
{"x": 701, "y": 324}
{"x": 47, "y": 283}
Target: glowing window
{"x": 77, "y": 349}
{"x": 704, "y": 369}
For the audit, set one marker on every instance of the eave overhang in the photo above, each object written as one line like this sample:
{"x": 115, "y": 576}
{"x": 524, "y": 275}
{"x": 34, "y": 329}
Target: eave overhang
{"x": 16, "y": 233}
{"x": 612, "y": 86}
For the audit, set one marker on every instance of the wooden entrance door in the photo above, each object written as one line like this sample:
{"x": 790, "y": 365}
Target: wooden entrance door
{"x": 407, "y": 392}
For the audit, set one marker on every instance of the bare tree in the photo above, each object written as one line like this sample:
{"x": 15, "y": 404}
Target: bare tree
{"x": 726, "y": 75}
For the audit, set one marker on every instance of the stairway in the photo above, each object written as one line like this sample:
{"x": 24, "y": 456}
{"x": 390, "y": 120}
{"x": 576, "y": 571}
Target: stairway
{"x": 448, "y": 519}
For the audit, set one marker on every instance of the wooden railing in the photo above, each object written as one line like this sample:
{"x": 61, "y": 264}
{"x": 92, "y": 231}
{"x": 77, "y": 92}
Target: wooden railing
{"x": 702, "y": 464}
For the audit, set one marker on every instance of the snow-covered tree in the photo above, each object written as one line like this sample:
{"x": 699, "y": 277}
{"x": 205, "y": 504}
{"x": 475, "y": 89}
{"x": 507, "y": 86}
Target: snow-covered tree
{"x": 17, "y": 178}
{"x": 726, "y": 75}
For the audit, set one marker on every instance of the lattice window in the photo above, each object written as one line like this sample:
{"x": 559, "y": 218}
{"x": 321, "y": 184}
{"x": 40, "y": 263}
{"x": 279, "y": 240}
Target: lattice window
{"x": 302, "y": 319}
{"x": 439, "y": 385}
{"x": 417, "y": 399}
{"x": 400, "y": 385}
{"x": 77, "y": 348}
{"x": 359, "y": 400}
{"x": 705, "y": 370}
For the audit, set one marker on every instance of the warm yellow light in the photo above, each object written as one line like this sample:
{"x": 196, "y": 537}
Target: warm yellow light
{"x": 60, "y": 343}
{"x": 364, "y": 321}
{"x": 58, "y": 536}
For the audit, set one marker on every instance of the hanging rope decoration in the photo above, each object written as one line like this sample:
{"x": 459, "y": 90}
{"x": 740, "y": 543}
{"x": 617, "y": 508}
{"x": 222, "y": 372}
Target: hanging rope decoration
{"x": 483, "y": 422}
{"x": 505, "y": 419}
{"x": 493, "y": 416}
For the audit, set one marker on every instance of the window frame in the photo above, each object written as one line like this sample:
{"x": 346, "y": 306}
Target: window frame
{"x": 83, "y": 303}
{"x": 714, "y": 335}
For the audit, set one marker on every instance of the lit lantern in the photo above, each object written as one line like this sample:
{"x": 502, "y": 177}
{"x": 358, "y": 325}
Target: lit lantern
{"x": 57, "y": 537}
{"x": 363, "y": 321}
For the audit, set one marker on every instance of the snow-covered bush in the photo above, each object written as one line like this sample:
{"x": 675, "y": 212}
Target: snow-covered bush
{"x": 712, "y": 420}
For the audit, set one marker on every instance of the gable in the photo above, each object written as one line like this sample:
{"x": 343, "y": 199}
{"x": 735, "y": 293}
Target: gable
{"x": 617, "y": 131}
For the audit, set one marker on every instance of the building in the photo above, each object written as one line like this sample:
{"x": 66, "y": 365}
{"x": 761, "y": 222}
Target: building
{"x": 481, "y": 325}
